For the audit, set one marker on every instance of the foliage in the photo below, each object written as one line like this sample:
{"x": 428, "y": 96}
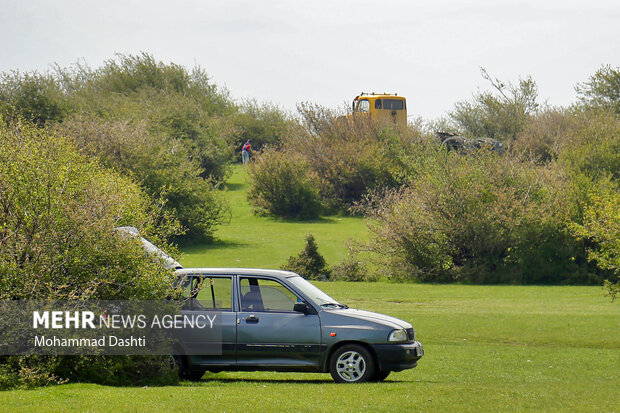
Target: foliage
{"x": 480, "y": 218}
{"x": 582, "y": 142}
{"x": 119, "y": 370}
{"x": 182, "y": 117}
{"x": 592, "y": 145}
{"x": 500, "y": 115}
{"x": 33, "y": 96}
{"x": 176, "y": 104}
{"x": 128, "y": 75}
{"x": 612, "y": 289}
{"x": 544, "y": 135}
{"x": 206, "y": 141}
{"x": 58, "y": 211}
{"x": 353, "y": 156}
{"x": 23, "y": 372}
{"x": 162, "y": 166}
{"x": 309, "y": 263}
{"x": 264, "y": 124}
{"x": 601, "y": 226}
{"x": 282, "y": 185}
{"x": 345, "y": 157}
{"x": 602, "y": 90}
{"x": 351, "y": 269}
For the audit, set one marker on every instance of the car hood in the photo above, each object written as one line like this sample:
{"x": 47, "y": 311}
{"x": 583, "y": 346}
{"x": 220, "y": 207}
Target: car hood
{"x": 377, "y": 318}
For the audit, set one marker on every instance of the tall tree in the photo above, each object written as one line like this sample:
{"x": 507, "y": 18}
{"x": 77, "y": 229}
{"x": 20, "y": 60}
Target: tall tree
{"x": 602, "y": 90}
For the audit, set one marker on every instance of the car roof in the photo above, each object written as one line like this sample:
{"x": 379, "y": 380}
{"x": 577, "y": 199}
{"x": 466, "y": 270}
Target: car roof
{"x": 235, "y": 271}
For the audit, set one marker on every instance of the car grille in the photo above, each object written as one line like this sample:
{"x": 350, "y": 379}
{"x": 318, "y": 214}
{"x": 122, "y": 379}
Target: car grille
{"x": 410, "y": 334}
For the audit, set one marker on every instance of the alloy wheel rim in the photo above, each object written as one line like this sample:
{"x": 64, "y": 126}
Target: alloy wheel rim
{"x": 350, "y": 366}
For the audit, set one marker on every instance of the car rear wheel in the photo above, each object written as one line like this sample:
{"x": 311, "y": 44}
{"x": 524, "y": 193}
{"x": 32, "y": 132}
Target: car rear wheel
{"x": 184, "y": 371}
{"x": 352, "y": 363}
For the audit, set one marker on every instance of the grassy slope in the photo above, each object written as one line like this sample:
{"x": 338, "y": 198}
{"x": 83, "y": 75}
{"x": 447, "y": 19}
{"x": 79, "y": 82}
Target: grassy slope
{"x": 263, "y": 242}
{"x": 500, "y": 348}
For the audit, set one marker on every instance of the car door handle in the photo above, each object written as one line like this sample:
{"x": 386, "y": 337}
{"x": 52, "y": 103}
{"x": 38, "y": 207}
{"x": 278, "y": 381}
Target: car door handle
{"x": 251, "y": 319}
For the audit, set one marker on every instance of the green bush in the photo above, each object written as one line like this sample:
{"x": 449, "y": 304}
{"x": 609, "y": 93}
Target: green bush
{"x": 282, "y": 185}
{"x": 25, "y": 372}
{"x": 309, "y": 263}
{"x": 543, "y": 137}
{"x": 481, "y": 218}
{"x": 351, "y": 269}
{"x": 207, "y": 141}
{"x": 181, "y": 120}
{"x": 175, "y": 104}
{"x": 600, "y": 226}
{"x": 163, "y": 168}
{"x": 119, "y": 370}
{"x": 592, "y": 145}
{"x": 602, "y": 90}
{"x": 344, "y": 158}
{"x": 501, "y": 114}
{"x": 264, "y": 124}
{"x": 58, "y": 211}
{"x": 33, "y": 96}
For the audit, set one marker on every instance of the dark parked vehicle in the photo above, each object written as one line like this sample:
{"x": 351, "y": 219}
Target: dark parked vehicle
{"x": 278, "y": 321}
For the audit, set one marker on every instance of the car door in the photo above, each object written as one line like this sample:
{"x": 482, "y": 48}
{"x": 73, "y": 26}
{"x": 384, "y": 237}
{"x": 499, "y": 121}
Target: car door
{"x": 269, "y": 331}
{"x": 213, "y": 295}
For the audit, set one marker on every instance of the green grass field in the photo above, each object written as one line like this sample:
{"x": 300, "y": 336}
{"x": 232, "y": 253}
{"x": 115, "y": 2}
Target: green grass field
{"x": 265, "y": 242}
{"x": 488, "y": 348}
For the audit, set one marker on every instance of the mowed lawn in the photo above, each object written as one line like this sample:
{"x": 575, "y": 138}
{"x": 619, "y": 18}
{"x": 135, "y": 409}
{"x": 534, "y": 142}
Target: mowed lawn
{"x": 266, "y": 242}
{"x": 488, "y": 348}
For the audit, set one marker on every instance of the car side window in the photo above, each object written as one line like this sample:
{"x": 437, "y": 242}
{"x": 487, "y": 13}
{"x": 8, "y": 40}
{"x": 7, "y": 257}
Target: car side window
{"x": 211, "y": 293}
{"x": 260, "y": 294}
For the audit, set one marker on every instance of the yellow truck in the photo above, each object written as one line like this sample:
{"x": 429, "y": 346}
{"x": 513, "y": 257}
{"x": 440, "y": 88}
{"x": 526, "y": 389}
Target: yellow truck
{"x": 383, "y": 108}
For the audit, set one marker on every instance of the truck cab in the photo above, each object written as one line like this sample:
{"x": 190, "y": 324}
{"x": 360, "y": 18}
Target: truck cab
{"x": 383, "y": 108}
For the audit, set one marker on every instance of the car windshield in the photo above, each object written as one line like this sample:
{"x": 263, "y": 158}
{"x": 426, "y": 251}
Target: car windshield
{"x": 316, "y": 295}
{"x": 363, "y": 106}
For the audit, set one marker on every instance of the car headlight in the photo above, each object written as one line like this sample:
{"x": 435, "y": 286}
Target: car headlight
{"x": 398, "y": 335}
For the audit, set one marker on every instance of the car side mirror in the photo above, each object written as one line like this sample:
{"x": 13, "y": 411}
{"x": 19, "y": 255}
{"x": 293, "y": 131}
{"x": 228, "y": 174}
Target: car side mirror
{"x": 301, "y": 308}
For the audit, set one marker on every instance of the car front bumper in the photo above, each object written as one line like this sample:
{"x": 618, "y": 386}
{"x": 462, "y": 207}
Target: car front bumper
{"x": 397, "y": 357}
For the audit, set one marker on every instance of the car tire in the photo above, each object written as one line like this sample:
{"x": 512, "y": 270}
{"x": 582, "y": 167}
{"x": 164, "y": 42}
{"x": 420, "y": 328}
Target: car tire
{"x": 380, "y": 375}
{"x": 184, "y": 371}
{"x": 194, "y": 375}
{"x": 352, "y": 363}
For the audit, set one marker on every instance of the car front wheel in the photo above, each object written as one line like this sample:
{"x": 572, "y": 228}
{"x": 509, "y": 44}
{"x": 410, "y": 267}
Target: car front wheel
{"x": 352, "y": 363}
{"x": 380, "y": 375}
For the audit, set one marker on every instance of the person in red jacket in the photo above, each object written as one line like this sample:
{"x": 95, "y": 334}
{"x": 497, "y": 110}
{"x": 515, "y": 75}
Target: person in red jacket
{"x": 245, "y": 152}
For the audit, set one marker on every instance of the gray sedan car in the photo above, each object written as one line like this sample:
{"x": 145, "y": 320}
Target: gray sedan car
{"x": 278, "y": 321}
